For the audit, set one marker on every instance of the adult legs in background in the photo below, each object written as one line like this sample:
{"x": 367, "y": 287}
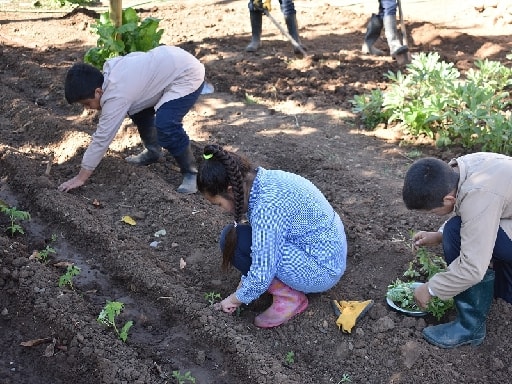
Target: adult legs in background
{"x": 387, "y": 13}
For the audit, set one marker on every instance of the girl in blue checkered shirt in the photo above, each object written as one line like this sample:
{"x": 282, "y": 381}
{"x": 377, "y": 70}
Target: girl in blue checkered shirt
{"x": 293, "y": 243}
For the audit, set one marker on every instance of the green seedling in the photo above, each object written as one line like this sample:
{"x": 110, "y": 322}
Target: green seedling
{"x": 67, "y": 278}
{"x": 44, "y": 254}
{"x": 289, "y": 358}
{"x": 183, "y": 378}
{"x": 425, "y": 265}
{"x": 212, "y": 297}
{"x": 345, "y": 379}
{"x": 108, "y": 315}
{"x": 15, "y": 215}
{"x": 250, "y": 99}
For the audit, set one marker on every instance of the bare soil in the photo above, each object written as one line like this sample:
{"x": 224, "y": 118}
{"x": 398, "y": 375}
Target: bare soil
{"x": 301, "y": 122}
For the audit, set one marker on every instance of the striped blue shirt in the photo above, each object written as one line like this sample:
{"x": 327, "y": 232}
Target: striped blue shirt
{"x": 297, "y": 236}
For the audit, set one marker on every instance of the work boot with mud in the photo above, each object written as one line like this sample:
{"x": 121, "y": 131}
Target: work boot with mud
{"x": 256, "y": 26}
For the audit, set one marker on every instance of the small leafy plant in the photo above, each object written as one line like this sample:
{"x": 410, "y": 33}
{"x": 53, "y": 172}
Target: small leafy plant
{"x": 67, "y": 278}
{"x": 183, "y": 378}
{"x": 15, "y": 215}
{"x": 289, "y": 358}
{"x": 212, "y": 297}
{"x": 423, "y": 267}
{"x": 44, "y": 254}
{"x": 345, "y": 379}
{"x": 108, "y": 316}
{"x": 132, "y": 35}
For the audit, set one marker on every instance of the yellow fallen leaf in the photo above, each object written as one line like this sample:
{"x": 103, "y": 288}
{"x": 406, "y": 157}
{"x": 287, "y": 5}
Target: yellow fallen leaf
{"x": 128, "y": 220}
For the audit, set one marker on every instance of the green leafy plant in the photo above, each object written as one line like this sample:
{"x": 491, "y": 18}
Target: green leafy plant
{"x": 345, "y": 379}
{"x": 425, "y": 265}
{"x": 249, "y": 99}
{"x": 212, "y": 297}
{"x": 133, "y": 35}
{"x": 430, "y": 99}
{"x": 402, "y": 294}
{"x": 108, "y": 316}
{"x": 67, "y": 278}
{"x": 45, "y": 253}
{"x": 369, "y": 107}
{"x": 289, "y": 358}
{"x": 183, "y": 378}
{"x": 15, "y": 215}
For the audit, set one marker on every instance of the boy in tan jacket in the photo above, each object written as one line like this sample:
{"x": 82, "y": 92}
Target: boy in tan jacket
{"x": 476, "y": 189}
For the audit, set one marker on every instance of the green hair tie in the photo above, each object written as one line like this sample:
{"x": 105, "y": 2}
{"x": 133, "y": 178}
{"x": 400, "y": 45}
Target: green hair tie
{"x": 208, "y": 157}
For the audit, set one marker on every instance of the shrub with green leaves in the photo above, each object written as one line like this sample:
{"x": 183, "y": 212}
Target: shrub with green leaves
{"x": 431, "y": 99}
{"x": 133, "y": 35}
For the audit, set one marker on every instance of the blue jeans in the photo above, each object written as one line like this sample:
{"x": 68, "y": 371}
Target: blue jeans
{"x": 242, "y": 259}
{"x": 169, "y": 122}
{"x": 501, "y": 256}
{"x": 287, "y": 7}
{"x": 387, "y": 8}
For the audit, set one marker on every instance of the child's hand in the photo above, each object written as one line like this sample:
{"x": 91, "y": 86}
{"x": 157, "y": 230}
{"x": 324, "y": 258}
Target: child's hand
{"x": 422, "y": 296}
{"x": 424, "y": 238}
{"x": 229, "y": 304}
{"x": 76, "y": 181}
{"x": 67, "y": 186}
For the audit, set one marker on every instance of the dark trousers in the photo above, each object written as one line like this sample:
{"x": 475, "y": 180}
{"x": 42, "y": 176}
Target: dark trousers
{"x": 169, "y": 121}
{"x": 501, "y": 256}
{"x": 242, "y": 259}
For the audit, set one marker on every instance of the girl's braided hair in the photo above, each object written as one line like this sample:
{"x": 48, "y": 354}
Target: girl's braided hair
{"x": 220, "y": 170}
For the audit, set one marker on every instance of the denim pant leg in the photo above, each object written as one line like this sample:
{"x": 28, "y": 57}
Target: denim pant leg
{"x": 242, "y": 259}
{"x": 169, "y": 122}
{"x": 501, "y": 256}
{"x": 387, "y": 8}
{"x": 287, "y": 7}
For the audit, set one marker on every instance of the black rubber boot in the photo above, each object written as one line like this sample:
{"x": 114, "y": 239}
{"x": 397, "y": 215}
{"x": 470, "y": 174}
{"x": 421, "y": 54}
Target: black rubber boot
{"x": 291, "y": 24}
{"x": 152, "y": 151}
{"x": 394, "y": 42}
{"x": 187, "y": 163}
{"x": 256, "y": 25}
{"x": 469, "y": 327}
{"x": 373, "y": 31}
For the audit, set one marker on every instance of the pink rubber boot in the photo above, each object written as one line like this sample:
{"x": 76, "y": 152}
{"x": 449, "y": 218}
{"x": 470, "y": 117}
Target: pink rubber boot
{"x": 286, "y": 303}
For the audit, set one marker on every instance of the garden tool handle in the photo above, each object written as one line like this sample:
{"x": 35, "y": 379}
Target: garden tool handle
{"x": 284, "y": 32}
